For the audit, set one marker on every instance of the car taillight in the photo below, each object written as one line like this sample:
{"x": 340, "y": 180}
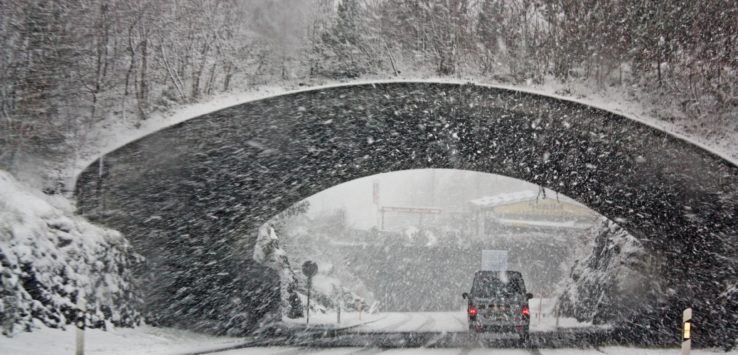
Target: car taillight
{"x": 526, "y": 311}
{"x": 472, "y": 311}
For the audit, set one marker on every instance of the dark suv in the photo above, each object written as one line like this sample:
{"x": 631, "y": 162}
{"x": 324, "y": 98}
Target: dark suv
{"x": 498, "y": 303}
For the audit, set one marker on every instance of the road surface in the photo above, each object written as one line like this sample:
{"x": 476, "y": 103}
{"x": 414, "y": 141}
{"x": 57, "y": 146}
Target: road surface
{"x": 420, "y": 330}
{"x": 465, "y": 351}
{"x": 542, "y": 320}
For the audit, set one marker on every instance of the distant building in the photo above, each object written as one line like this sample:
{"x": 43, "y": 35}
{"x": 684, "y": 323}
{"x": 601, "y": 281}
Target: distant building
{"x": 526, "y": 211}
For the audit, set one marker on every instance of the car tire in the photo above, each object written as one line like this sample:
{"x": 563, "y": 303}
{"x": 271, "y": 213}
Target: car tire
{"x": 525, "y": 339}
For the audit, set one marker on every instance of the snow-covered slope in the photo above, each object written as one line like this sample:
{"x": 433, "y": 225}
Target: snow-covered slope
{"x": 145, "y": 339}
{"x": 268, "y": 253}
{"x": 613, "y": 281}
{"x": 48, "y": 256}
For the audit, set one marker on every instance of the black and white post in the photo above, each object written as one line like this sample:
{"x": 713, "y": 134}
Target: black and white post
{"x": 687, "y": 331}
{"x": 80, "y": 324}
{"x": 309, "y": 269}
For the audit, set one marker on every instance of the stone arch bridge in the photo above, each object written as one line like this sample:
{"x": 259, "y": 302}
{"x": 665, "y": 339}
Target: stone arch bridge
{"x": 191, "y": 196}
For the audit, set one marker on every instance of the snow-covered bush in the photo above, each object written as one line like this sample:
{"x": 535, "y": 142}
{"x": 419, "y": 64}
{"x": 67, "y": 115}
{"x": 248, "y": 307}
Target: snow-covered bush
{"x": 48, "y": 256}
{"x": 268, "y": 253}
{"x": 326, "y": 289}
{"x": 613, "y": 282}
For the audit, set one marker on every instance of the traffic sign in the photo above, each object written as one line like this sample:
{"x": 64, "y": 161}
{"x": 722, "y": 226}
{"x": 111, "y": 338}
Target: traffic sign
{"x": 494, "y": 260}
{"x": 309, "y": 268}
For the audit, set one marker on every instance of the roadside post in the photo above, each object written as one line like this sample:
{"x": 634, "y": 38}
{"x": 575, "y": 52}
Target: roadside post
{"x": 81, "y": 325}
{"x": 687, "y": 331}
{"x": 309, "y": 269}
{"x": 540, "y": 308}
{"x": 360, "y": 306}
{"x": 338, "y": 316}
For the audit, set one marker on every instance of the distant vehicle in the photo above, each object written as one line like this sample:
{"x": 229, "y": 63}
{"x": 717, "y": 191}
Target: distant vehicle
{"x": 498, "y": 303}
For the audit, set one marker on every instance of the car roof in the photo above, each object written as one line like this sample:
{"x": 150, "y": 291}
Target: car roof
{"x": 509, "y": 273}
{"x": 484, "y": 276}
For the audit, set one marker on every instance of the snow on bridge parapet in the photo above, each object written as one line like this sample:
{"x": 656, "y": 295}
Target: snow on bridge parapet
{"x": 108, "y": 136}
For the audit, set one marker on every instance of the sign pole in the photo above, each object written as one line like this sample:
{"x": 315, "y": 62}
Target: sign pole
{"x": 540, "y": 308}
{"x": 687, "y": 331}
{"x": 101, "y": 193}
{"x": 310, "y": 281}
{"x": 309, "y": 269}
{"x": 381, "y": 226}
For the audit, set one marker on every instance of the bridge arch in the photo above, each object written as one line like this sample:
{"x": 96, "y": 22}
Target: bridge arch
{"x": 186, "y": 194}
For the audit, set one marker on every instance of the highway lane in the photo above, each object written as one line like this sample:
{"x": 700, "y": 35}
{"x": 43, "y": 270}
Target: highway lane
{"x": 614, "y": 350}
{"x": 450, "y": 321}
{"x": 439, "y": 331}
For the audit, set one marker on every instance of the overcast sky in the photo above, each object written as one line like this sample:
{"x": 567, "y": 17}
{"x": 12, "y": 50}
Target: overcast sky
{"x": 442, "y": 188}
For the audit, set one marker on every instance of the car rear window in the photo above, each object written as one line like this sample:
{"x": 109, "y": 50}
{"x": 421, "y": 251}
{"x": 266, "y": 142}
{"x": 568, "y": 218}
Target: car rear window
{"x": 491, "y": 287}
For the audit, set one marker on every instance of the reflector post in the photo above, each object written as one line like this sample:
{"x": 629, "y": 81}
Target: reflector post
{"x": 687, "y": 331}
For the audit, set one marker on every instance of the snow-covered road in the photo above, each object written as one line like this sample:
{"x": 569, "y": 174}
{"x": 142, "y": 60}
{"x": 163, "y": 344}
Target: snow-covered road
{"x": 433, "y": 329}
{"x": 461, "y": 351}
{"x": 417, "y": 322}
{"x": 158, "y": 341}
{"x": 542, "y": 319}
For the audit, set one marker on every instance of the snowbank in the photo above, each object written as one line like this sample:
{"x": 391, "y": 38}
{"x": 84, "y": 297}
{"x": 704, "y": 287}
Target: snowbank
{"x": 48, "y": 256}
{"x": 141, "y": 340}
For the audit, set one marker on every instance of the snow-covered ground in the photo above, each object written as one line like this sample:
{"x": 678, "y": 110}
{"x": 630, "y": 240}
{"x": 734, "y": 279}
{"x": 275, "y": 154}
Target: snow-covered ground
{"x": 148, "y": 340}
{"x": 543, "y": 316}
{"x": 329, "y": 320}
{"x": 144, "y": 340}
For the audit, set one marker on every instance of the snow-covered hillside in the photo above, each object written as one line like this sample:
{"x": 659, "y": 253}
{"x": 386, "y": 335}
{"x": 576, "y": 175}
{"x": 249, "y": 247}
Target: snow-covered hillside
{"x": 48, "y": 256}
{"x": 270, "y": 254}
